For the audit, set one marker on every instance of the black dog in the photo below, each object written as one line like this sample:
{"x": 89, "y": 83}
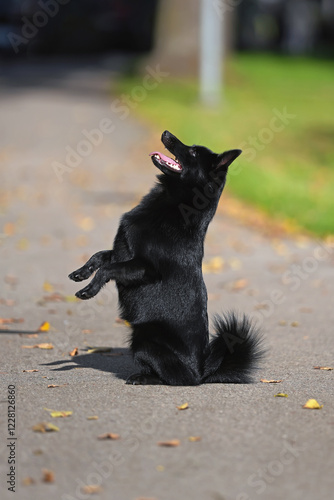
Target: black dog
{"x": 157, "y": 265}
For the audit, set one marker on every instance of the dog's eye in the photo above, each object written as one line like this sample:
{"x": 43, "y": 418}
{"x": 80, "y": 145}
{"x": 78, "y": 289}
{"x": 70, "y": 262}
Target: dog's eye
{"x": 193, "y": 152}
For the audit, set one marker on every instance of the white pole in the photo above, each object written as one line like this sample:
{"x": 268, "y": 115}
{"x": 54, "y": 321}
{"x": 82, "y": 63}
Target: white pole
{"x": 211, "y": 53}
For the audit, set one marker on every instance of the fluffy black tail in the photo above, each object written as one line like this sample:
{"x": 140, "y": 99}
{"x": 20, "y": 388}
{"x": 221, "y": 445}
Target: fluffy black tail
{"x": 235, "y": 351}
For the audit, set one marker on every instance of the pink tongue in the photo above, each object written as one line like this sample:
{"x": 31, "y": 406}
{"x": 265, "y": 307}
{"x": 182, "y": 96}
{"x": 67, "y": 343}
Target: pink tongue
{"x": 164, "y": 157}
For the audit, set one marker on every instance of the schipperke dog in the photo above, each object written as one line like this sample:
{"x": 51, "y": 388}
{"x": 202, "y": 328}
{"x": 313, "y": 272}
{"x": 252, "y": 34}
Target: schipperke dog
{"x": 156, "y": 262}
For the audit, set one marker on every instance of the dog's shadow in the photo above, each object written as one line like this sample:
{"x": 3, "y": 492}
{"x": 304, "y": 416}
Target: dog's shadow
{"x": 119, "y": 362}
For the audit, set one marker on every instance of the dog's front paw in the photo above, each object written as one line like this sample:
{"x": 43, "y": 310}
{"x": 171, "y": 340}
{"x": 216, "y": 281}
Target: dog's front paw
{"x": 86, "y": 293}
{"x": 81, "y": 274}
{"x": 143, "y": 379}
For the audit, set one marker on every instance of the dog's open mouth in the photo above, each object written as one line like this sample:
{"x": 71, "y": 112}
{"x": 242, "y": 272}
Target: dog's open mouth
{"x": 167, "y": 162}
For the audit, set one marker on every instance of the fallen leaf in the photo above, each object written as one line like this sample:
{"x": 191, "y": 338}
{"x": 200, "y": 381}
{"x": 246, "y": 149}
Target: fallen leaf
{"x": 282, "y": 322}
{"x": 92, "y": 349}
{"x": 171, "y": 443}
{"x": 74, "y": 352}
{"x": 56, "y": 385}
{"x": 160, "y": 468}
{"x": 45, "y": 427}
{"x": 86, "y": 223}
{"x": 44, "y": 345}
{"x": 29, "y": 335}
{"x": 9, "y": 229}
{"x": 22, "y": 244}
{"x": 235, "y": 264}
{"x": 259, "y": 307}
{"x": 306, "y": 309}
{"x": 312, "y": 404}
{"x": 47, "y": 287}
{"x": 270, "y": 381}
{"x": 86, "y": 331}
{"x": 90, "y": 489}
{"x": 327, "y": 368}
{"x": 40, "y": 346}
{"x": 45, "y": 327}
{"x": 27, "y": 481}
{"x": 38, "y": 452}
{"x": 281, "y": 395}
{"x": 239, "y": 285}
{"x": 185, "y": 406}
{"x": 294, "y": 323}
{"x": 214, "y": 265}
{"x": 7, "y": 321}
{"x": 109, "y": 435}
{"x": 59, "y": 413}
{"x": 7, "y": 302}
{"x": 30, "y": 371}
{"x": 194, "y": 439}
{"x": 48, "y": 476}
{"x": 93, "y": 417}
{"x": 11, "y": 280}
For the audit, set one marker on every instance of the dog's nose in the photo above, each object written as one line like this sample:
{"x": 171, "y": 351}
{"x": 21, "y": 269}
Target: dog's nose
{"x": 165, "y": 135}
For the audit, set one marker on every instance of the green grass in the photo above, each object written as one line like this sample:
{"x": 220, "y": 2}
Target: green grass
{"x": 292, "y": 175}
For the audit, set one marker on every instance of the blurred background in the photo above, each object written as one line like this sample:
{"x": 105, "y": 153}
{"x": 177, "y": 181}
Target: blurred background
{"x": 255, "y": 74}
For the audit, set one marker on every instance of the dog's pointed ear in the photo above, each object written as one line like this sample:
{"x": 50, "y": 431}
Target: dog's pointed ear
{"x": 225, "y": 159}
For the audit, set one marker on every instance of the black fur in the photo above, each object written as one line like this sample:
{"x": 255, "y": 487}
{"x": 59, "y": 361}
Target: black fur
{"x": 156, "y": 262}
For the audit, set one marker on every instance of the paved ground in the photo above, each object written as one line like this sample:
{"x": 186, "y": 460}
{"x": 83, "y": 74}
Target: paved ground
{"x": 252, "y": 445}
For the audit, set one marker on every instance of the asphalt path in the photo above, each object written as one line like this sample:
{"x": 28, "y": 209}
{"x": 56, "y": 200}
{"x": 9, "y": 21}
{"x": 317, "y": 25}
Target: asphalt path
{"x": 70, "y": 166}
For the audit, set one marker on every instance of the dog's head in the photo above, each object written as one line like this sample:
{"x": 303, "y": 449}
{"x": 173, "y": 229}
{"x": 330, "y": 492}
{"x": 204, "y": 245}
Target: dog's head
{"x": 194, "y": 166}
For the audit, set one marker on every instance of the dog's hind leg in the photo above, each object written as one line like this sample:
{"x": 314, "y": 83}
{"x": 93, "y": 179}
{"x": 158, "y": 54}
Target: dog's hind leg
{"x": 96, "y": 261}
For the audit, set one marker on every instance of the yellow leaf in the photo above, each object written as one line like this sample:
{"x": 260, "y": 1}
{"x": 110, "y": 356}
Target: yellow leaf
{"x": 270, "y": 381}
{"x": 40, "y": 346}
{"x": 194, "y": 439}
{"x": 172, "y": 443}
{"x": 295, "y": 323}
{"x": 93, "y": 417}
{"x": 92, "y": 349}
{"x": 281, "y": 395}
{"x": 45, "y": 427}
{"x": 22, "y": 244}
{"x": 183, "y": 407}
{"x": 45, "y": 327}
{"x": 327, "y": 368}
{"x": 312, "y": 404}
{"x": 214, "y": 265}
{"x": 71, "y": 298}
{"x": 29, "y": 371}
{"x": 47, "y": 287}
{"x": 59, "y": 414}
{"x": 44, "y": 346}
